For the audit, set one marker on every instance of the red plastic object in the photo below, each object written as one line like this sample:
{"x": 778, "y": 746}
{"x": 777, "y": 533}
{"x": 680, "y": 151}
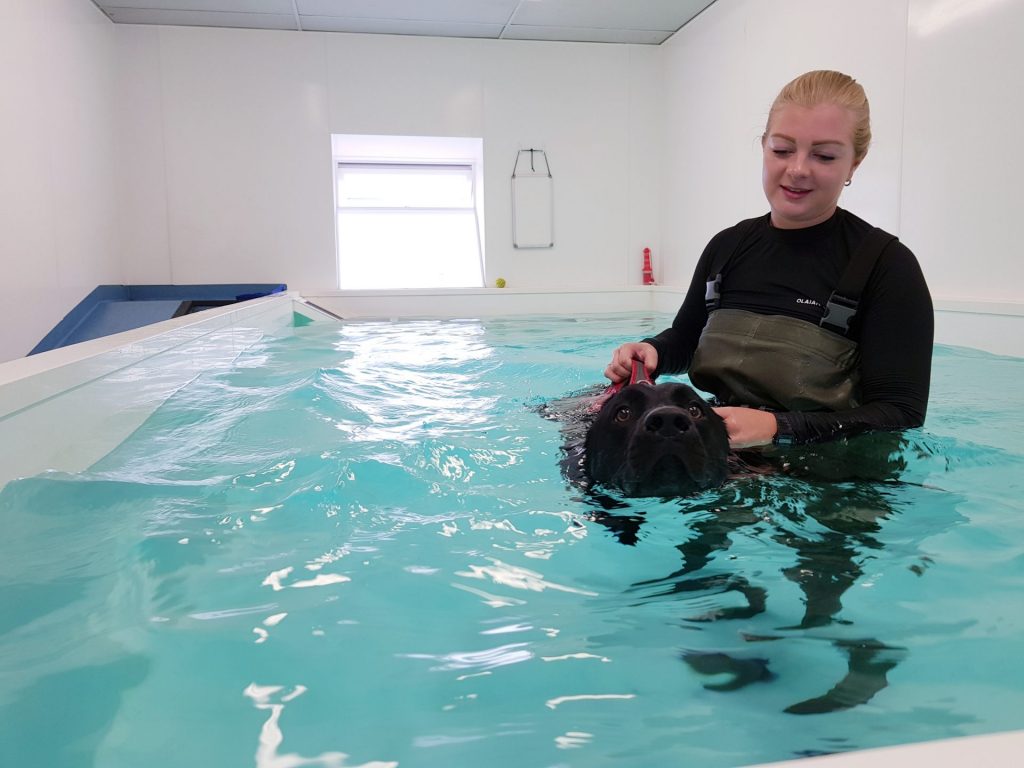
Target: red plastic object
{"x": 648, "y": 270}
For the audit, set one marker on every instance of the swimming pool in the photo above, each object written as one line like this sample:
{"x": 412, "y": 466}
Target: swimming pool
{"x": 355, "y": 539}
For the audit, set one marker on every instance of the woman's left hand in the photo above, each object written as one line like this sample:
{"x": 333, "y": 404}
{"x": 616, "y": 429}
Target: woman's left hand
{"x": 748, "y": 427}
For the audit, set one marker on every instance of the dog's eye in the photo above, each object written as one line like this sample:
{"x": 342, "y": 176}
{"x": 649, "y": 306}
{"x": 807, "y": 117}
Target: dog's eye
{"x": 622, "y": 413}
{"x": 696, "y": 412}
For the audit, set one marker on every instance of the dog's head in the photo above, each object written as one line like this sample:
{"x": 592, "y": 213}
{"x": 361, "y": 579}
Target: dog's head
{"x": 657, "y": 440}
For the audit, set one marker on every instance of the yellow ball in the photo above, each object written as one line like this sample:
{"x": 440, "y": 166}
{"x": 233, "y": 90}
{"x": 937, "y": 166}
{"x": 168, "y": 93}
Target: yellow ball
{"x": 499, "y": 283}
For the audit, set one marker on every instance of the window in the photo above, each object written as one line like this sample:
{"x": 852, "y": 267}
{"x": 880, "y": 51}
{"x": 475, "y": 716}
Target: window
{"x": 408, "y": 223}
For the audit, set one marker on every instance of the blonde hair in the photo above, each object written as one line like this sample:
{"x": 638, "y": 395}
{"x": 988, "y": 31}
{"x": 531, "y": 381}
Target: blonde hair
{"x": 824, "y": 86}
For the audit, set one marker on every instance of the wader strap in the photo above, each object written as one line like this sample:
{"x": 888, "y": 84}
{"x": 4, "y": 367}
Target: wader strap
{"x": 730, "y": 244}
{"x": 842, "y": 304}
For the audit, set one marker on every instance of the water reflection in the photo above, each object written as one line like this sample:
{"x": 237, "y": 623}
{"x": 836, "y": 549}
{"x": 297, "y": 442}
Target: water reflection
{"x": 817, "y": 534}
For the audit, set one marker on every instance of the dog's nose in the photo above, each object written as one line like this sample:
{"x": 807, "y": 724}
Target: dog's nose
{"x": 667, "y": 421}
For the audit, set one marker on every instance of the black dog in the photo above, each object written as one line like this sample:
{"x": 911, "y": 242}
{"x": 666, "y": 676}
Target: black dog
{"x": 664, "y": 440}
{"x": 656, "y": 440}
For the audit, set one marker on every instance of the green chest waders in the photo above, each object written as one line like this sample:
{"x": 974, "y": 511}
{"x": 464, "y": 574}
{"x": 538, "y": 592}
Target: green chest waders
{"x": 775, "y": 362}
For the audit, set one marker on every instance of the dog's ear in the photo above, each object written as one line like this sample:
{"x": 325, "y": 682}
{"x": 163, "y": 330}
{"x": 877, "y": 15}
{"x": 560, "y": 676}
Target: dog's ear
{"x": 604, "y": 445}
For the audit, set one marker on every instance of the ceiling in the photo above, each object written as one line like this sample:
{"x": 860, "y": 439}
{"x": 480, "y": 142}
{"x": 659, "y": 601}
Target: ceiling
{"x": 648, "y": 22}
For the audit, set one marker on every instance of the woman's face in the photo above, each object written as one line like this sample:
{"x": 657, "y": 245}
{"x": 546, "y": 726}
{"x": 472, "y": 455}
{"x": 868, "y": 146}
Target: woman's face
{"x": 808, "y": 156}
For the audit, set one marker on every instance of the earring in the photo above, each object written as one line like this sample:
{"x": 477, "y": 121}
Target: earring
{"x": 848, "y": 182}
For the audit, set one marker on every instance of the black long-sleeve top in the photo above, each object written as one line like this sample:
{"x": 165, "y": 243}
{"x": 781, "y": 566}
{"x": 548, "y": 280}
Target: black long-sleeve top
{"x": 792, "y": 272}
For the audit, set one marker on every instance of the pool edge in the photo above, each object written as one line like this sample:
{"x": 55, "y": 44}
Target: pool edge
{"x": 48, "y": 415}
{"x": 994, "y": 749}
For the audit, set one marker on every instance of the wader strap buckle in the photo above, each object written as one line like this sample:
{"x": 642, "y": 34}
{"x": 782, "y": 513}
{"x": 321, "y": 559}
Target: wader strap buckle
{"x": 839, "y": 311}
{"x": 713, "y": 293}
{"x": 732, "y": 239}
{"x": 842, "y": 304}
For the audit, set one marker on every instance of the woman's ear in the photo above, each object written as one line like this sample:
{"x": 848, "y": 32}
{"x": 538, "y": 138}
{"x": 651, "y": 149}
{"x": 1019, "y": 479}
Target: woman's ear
{"x": 849, "y": 176}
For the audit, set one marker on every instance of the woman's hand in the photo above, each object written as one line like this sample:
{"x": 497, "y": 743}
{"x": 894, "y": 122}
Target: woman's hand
{"x": 621, "y": 366}
{"x": 748, "y": 427}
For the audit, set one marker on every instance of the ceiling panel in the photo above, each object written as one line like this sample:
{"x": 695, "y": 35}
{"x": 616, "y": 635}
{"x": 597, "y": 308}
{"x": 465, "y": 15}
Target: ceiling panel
{"x": 648, "y": 22}
{"x": 399, "y": 27}
{"x": 229, "y": 6}
{"x": 584, "y": 34}
{"x": 464, "y": 11}
{"x": 665, "y": 15}
{"x": 202, "y": 18}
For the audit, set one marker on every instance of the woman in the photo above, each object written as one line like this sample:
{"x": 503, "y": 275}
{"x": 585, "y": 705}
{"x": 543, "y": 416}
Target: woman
{"x": 807, "y": 324}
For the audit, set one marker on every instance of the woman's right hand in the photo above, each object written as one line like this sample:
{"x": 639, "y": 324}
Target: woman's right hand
{"x": 621, "y": 366}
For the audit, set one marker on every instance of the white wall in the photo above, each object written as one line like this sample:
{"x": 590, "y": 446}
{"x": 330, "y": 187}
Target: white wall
{"x": 164, "y": 154}
{"x": 943, "y": 172}
{"x": 228, "y": 152}
{"x": 724, "y": 70}
{"x": 962, "y": 170}
{"x": 58, "y": 236}
{"x": 226, "y": 136}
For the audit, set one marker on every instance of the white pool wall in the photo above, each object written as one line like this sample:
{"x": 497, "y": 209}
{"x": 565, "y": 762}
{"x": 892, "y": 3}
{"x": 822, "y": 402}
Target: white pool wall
{"x": 995, "y": 749}
{"x": 996, "y": 327}
{"x": 65, "y": 409}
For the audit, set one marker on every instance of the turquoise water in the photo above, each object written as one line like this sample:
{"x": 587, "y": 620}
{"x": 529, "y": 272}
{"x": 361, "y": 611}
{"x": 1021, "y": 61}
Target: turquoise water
{"x": 355, "y": 548}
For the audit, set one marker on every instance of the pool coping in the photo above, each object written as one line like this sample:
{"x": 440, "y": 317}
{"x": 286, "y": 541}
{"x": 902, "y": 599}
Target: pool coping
{"x": 45, "y": 385}
{"x": 48, "y": 415}
{"x": 994, "y": 749}
{"x": 996, "y": 327}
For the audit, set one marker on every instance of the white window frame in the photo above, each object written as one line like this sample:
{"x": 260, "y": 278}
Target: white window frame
{"x": 415, "y": 152}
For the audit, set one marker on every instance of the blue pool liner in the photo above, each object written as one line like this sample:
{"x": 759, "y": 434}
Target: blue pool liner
{"x": 115, "y": 308}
